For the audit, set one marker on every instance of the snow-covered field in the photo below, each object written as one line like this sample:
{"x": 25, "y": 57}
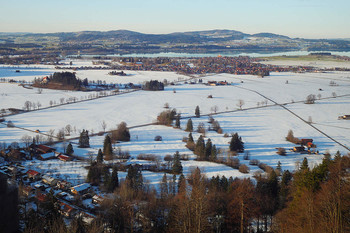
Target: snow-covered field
{"x": 262, "y": 129}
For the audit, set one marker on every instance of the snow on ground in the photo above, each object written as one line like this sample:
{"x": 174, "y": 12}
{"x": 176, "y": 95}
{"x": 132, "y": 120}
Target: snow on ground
{"x": 14, "y": 96}
{"x": 262, "y": 129}
{"x": 320, "y": 64}
{"x": 73, "y": 171}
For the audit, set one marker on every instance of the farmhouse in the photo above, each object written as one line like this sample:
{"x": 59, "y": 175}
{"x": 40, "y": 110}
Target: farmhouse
{"x": 306, "y": 141}
{"x": 42, "y": 149}
{"x": 67, "y": 210}
{"x": 212, "y": 83}
{"x": 16, "y": 155}
{"x": 80, "y": 189}
{"x": 47, "y": 156}
{"x": 64, "y": 158}
{"x": 27, "y": 190}
{"x": 344, "y": 117}
{"x": 33, "y": 174}
{"x": 96, "y": 199}
{"x": 298, "y": 148}
{"x": 63, "y": 185}
{"x": 49, "y": 180}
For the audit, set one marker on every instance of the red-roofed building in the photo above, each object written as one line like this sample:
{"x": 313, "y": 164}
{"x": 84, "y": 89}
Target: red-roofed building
{"x": 65, "y": 158}
{"x": 42, "y": 149}
{"x": 33, "y": 174}
{"x": 67, "y": 210}
{"x": 40, "y": 197}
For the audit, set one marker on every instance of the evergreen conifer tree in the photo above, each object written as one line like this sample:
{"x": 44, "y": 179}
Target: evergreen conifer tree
{"x": 177, "y": 166}
{"x": 134, "y": 178}
{"x": 189, "y": 126}
{"x": 173, "y": 188}
{"x": 69, "y": 149}
{"x": 236, "y": 143}
{"x": 181, "y": 187}
{"x": 107, "y": 148}
{"x": 213, "y": 153}
{"x": 190, "y": 143}
{"x": 114, "y": 180}
{"x": 200, "y": 148}
{"x": 84, "y": 140}
{"x": 208, "y": 149}
{"x": 99, "y": 157}
{"x": 164, "y": 188}
{"x": 190, "y": 138}
{"x": 106, "y": 177}
{"x": 178, "y": 122}
{"x": 197, "y": 112}
{"x": 304, "y": 164}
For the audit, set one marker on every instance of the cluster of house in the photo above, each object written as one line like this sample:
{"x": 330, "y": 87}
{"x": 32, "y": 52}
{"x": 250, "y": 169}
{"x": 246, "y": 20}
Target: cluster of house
{"x": 41, "y": 152}
{"x": 305, "y": 147}
{"x": 218, "y": 83}
{"x": 344, "y": 117}
{"x": 44, "y": 152}
{"x": 36, "y": 187}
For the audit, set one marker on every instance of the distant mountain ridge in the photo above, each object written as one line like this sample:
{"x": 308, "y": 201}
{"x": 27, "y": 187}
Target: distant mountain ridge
{"x": 176, "y": 37}
{"x": 126, "y": 42}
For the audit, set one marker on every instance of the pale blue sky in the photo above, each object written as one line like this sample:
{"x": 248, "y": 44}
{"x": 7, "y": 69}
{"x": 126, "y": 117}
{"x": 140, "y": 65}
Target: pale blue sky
{"x": 294, "y": 18}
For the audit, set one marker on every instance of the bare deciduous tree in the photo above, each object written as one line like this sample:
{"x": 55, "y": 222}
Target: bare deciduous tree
{"x": 68, "y": 129}
{"x": 240, "y": 103}
{"x": 310, "y": 99}
{"x": 27, "y": 105}
{"x": 26, "y": 139}
{"x": 214, "y": 109}
{"x": 104, "y": 126}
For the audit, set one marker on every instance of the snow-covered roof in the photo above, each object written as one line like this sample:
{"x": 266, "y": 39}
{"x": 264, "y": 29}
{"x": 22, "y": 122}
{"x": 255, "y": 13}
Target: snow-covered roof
{"x": 47, "y": 155}
{"x": 81, "y": 187}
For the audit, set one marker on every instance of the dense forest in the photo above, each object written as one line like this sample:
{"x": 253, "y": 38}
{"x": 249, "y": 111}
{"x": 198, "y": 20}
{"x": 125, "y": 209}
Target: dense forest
{"x": 309, "y": 200}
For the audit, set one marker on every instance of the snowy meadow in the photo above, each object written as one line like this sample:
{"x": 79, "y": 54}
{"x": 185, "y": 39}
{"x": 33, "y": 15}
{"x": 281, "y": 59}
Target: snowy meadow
{"x": 271, "y": 107}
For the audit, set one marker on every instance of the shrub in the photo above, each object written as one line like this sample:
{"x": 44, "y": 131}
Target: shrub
{"x": 233, "y": 162}
{"x": 191, "y": 145}
{"x": 243, "y": 168}
{"x": 310, "y": 99}
{"x": 166, "y": 117}
{"x": 266, "y": 168}
{"x": 281, "y": 151}
{"x": 201, "y": 128}
{"x": 184, "y": 157}
{"x": 158, "y": 138}
{"x": 10, "y": 124}
{"x": 147, "y": 157}
{"x": 290, "y": 137}
{"x": 121, "y": 133}
{"x": 254, "y": 162}
{"x": 168, "y": 158}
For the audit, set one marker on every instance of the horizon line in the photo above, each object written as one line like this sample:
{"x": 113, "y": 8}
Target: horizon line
{"x": 77, "y": 31}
